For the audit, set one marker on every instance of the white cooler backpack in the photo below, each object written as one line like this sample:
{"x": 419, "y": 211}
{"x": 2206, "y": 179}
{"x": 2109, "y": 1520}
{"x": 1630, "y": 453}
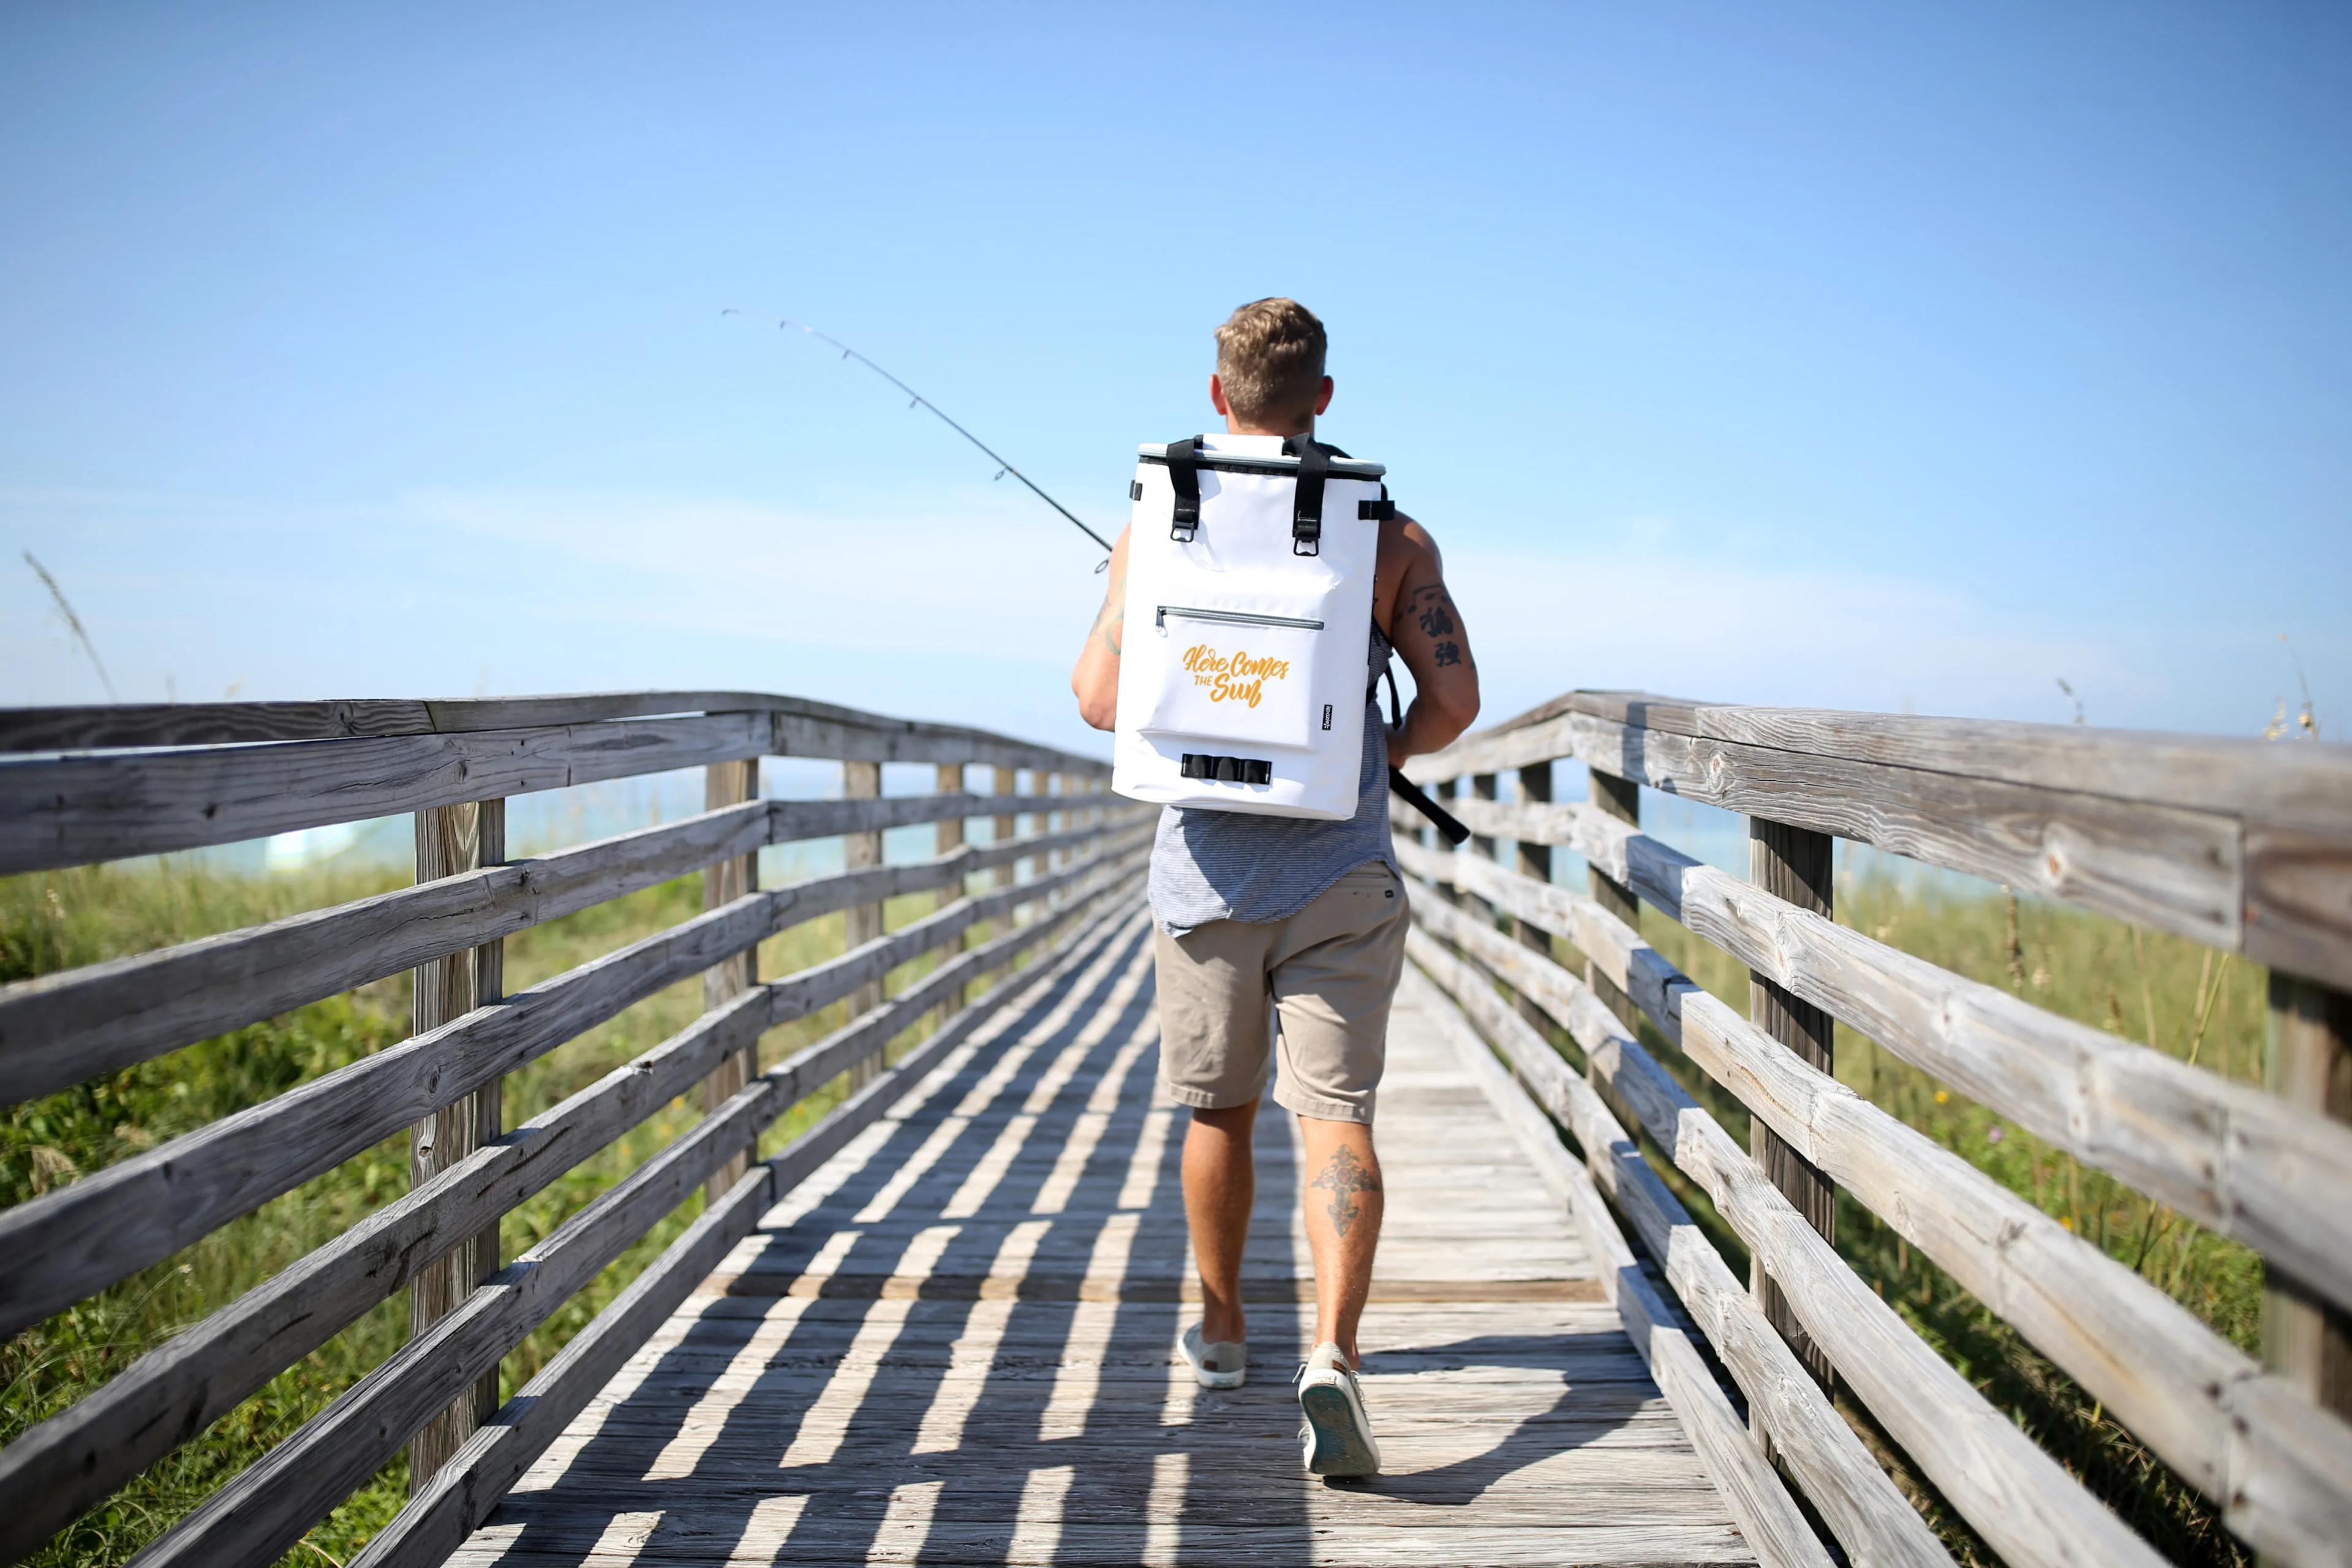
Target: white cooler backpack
{"x": 1243, "y": 674}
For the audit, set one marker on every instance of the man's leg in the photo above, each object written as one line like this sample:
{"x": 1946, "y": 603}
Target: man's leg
{"x": 1220, "y": 1186}
{"x": 1343, "y": 1224}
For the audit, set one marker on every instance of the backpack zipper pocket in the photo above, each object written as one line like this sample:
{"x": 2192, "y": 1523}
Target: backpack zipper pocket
{"x": 1231, "y": 617}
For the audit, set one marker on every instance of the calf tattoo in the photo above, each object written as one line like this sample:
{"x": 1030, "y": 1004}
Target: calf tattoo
{"x": 1343, "y": 1178}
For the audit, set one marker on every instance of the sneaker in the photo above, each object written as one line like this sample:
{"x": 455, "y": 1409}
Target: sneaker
{"x": 1225, "y": 1365}
{"x": 1335, "y": 1436}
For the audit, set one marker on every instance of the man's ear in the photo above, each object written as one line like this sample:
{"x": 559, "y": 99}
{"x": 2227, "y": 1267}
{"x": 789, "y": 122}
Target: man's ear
{"x": 1217, "y": 394}
{"x": 1322, "y": 398}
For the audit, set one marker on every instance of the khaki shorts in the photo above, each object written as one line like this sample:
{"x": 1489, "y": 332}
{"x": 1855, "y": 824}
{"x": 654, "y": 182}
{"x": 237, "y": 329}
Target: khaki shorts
{"x": 1329, "y": 973}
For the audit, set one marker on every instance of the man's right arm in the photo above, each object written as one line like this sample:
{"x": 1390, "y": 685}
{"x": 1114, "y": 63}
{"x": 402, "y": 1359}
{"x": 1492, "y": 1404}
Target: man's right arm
{"x": 1426, "y": 628}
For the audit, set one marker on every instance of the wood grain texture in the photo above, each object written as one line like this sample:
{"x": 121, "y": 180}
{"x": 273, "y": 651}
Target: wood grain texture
{"x": 2228, "y": 1155}
{"x": 863, "y": 781}
{"x": 949, "y": 840}
{"x": 68, "y": 811}
{"x": 1768, "y": 1518}
{"x": 1535, "y": 864}
{"x": 451, "y": 840}
{"x": 65, "y": 1028}
{"x": 438, "y": 1521}
{"x": 2238, "y": 844}
{"x": 776, "y": 1426}
{"x": 2280, "y": 1468}
{"x": 2308, "y": 1062}
{"x": 1870, "y": 1518}
{"x": 726, "y": 784}
{"x": 70, "y": 1243}
{"x": 148, "y": 725}
{"x": 1794, "y": 866}
{"x": 2015, "y": 1496}
{"x": 2300, "y": 786}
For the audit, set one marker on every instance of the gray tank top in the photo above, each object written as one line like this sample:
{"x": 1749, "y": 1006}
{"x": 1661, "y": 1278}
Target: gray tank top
{"x": 1229, "y": 866}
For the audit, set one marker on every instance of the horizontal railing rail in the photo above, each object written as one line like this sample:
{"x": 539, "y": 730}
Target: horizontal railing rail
{"x": 2245, "y": 846}
{"x": 88, "y": 784}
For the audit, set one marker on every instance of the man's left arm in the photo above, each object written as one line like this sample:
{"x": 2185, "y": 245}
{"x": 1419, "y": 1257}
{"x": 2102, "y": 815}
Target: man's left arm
{"x": 1095, "y": 680}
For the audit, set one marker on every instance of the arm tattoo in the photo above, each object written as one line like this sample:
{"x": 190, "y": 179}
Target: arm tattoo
{"x": 1431, "y": 609}
{"x": 1449, "y": 653}
{"x": 1343, "y": 1178}
{"x": 1111, "y": 619}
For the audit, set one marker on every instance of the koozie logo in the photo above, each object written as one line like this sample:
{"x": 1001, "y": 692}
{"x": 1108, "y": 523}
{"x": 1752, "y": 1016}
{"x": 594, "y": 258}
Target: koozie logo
{"x": 1235, "y": 676}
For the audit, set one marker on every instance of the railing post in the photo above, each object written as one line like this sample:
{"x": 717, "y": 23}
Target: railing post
{"x": 1535, "y": 862}
{"x": 1619, "y": 798}
{"x": 1445, "y": 791}
{"x": 1794, "y": 864}
{"x": 2308, "y": 1059}
{"x": 451, "y": 839}
{"x": 1008, "y": 782}
{"x": 950, "y": 839}
{"x": 863, "y": 781}
{"x": 1482, "y": 787}
{"x": 725, "y": 784}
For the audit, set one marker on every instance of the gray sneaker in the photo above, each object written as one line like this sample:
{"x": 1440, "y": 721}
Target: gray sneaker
{"x": 1224, "y": 1364}
{"x": 1335, "y": 1436}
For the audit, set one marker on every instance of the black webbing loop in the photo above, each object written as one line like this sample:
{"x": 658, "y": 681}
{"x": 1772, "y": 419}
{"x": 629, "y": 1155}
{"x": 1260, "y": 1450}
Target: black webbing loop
{"x": 1306, "y": 508}
{"x": 1379, "y": 511}
{"x": 1184, "y": 474}
{"x": 1227, "y": 770}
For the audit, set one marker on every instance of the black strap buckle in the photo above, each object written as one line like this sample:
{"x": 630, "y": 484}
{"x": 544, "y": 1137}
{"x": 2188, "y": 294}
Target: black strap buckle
{"x": 1227, "y": 770}
{"x": 1184, "y": 477}
{"x": 1307, "y": 507}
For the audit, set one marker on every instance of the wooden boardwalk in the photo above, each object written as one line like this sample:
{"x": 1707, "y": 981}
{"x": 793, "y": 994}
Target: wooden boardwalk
{"x": 952, "y": 1345}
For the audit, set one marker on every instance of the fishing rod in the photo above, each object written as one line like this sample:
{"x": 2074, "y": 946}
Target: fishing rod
{"x": 1404, "y": 788}
{"x": 919, "y": 400}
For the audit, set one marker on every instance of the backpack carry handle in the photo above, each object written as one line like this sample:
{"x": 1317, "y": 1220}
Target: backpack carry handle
{"x": 1184, "y": 477}
{"x": 1307, "y": 507}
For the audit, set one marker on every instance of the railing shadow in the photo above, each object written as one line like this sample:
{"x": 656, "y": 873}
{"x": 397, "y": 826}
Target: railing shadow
{"x": 967, "y": 1383}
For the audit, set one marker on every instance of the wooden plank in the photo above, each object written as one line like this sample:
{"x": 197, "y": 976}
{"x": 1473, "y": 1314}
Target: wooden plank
{"x": 2307, "y": 1338}
{"x": 451, "y": 840}
{"x": 2253, "y": 1443}
{"x": 68, "y": 811}
{"x": 863, "y": 781}
{"x": 62, "y": 1029}
{"x": 268, "y": 1507}
{"x": 2181, "y": 863}
{"x": 1007, "y": 783}
{"x": 2303, "y": 787}
{"x": 2226, "y": 1155}
{"x": 72, "y": 1242}
{"x": 950, "y": 840}
{"x": 1792, "y": 865}
{"x": 1621, "y": 799}
{"x": 725, "y": 784}
{"x": 436, "y": 1524}
{"x": 1870, "y": 1518}
{"x": 1767, "y": 1517}
{"x": 149, "y": 725}
{"x": 1535, "y": 864}
{"x": 68, "y": 1463}
{"x": 2017, "y": 1498}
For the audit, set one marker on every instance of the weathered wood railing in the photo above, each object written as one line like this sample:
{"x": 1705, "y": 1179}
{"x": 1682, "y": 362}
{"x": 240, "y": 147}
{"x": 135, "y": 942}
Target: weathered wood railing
{"x": 83, "y": 785}
{"x": 2245, "y": 846}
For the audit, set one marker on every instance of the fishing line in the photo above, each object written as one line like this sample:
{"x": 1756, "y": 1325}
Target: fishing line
{"x": 919, "y": 400}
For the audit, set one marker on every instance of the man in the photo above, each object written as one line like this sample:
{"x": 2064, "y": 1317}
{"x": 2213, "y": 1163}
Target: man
{"x": 1264, "y": 918}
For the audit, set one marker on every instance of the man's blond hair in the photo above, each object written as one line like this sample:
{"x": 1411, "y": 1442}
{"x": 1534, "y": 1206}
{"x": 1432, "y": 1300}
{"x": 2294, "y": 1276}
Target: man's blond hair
{"x": 1270, "y": 361}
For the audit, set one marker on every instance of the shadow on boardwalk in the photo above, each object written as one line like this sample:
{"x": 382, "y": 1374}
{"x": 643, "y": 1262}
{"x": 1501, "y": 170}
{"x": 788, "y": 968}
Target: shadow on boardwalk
{"x": 953, "y": 1346}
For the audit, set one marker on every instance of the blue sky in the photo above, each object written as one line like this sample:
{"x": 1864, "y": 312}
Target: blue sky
{"x": 1889, "y": 357}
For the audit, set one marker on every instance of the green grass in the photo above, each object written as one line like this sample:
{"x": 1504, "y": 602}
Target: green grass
{"x": 58, "y": 921}
{"x": 2193, "y": 1003}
